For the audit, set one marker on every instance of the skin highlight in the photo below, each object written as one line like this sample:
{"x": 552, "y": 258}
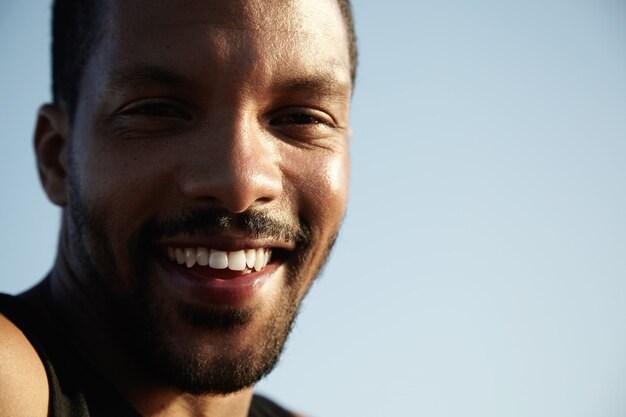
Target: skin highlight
{"x": 188, "y": 119}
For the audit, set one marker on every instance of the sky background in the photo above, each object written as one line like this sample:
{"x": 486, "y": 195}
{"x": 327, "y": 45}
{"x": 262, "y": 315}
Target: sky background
{"x": 481, "y": 270}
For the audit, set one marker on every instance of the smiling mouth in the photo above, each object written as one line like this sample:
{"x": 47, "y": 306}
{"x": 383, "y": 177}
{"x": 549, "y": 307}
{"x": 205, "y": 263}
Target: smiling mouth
{"x": 245, "y": 260}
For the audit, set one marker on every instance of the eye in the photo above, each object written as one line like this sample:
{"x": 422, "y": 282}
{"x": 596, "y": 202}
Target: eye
{"x": 303, "y": 124}
{"x": 156, "y": 109}
{"x": 298, "y": 119}
{"x": 152, "y": 118}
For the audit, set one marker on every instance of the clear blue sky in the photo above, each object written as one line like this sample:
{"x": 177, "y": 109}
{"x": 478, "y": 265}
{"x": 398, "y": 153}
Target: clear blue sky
{"x": 482, "y": 267}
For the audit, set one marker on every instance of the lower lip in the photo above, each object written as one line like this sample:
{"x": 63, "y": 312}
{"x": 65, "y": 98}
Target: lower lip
{"x": 236, "y": 291}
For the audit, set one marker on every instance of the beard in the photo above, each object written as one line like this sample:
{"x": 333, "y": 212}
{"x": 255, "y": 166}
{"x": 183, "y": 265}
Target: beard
{"x": 216, "y": 370}
{"x": 146, "y": 323}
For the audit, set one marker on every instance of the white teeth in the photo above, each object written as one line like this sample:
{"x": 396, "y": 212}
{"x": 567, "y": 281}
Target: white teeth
{"x": 259, "y": 262}
{"x": 171, "y": 254}
{"x": 250, "y": 257}
{"x": 203, "y": 257}
{"x": 237, "y": 260}
{"x": 218, "y": 259}
{"x": 180, "y": 256}
{"x": 190, "y": 257}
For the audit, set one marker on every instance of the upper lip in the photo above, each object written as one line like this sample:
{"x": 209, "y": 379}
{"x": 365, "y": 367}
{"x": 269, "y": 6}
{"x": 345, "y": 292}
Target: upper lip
{"x": 224, "y": 242}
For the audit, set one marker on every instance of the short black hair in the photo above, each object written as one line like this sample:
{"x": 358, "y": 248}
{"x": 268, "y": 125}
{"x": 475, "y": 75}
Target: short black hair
{"x": 76, "y": 29}
{"x": 348, "y": 18}
{"x": 75, "y": 32}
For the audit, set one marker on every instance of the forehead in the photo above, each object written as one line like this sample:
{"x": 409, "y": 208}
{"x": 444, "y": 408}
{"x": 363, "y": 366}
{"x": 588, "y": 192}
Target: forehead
{"x": 290, "y": 15}
{"x": 275, "y": 36}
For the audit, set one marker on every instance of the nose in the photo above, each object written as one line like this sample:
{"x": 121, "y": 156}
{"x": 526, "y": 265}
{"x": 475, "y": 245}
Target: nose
{"x": 232, "y": 165}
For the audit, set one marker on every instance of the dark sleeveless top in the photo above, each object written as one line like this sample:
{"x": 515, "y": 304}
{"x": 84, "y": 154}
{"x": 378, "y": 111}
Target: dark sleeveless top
{"x": 77, "y": 390}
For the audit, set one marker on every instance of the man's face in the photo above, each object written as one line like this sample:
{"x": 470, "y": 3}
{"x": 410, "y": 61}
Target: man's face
{"x": 208, "y": 132}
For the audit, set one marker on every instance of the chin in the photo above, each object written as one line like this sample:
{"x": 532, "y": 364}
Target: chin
{"x": 207, "y": 349}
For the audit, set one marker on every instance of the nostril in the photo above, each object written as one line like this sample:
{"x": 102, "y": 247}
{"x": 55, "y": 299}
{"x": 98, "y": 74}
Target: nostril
{"x": 230, "y": 189}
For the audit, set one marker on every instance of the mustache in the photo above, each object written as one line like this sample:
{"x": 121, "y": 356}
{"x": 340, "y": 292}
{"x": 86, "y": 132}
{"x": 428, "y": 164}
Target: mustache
{"x": 252, "y": 223}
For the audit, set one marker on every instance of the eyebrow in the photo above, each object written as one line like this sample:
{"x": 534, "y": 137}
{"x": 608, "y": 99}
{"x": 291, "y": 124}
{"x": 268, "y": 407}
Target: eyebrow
{"x": 140, "y": 76}
{"x": 323, "y": 85}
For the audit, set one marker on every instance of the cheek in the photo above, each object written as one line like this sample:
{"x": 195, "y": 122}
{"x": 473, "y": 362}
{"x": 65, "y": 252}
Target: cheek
{"x": 113, "y": 185}
{"x": 320, "y": 185}
{"x": 123, "y": 185}
{"x": 338, "y": 176}
{"x": 122, "y": 168}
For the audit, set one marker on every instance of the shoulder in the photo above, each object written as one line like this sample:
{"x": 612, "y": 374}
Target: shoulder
{"x": 264, "y": 407}
{"x": 23, "y": 380}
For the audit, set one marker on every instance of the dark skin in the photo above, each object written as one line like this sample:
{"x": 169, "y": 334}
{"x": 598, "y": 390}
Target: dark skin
{"x": 234, "y": 105}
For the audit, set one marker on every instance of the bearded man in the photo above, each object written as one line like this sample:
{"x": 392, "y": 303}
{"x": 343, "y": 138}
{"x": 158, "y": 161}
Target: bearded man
{"x": 199, "y": 152}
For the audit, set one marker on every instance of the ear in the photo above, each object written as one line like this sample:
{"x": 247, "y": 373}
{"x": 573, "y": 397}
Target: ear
{"x": 51, "y": 147}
